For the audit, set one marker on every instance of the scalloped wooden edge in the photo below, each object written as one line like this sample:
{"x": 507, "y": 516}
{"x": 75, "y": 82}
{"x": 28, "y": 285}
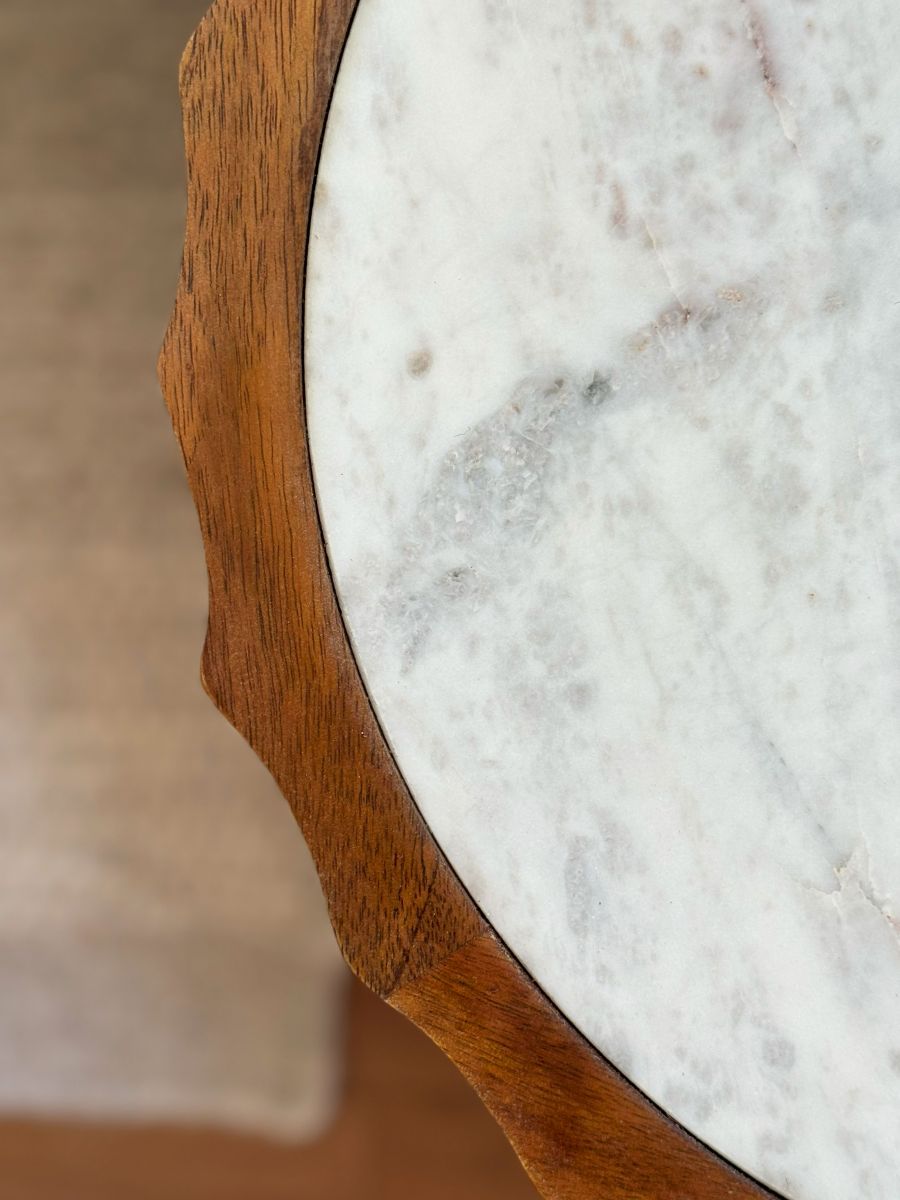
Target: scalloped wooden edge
{"x": 256, "y": 83}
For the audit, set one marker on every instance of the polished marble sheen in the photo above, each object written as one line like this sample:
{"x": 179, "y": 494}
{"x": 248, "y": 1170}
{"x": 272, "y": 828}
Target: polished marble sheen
{"x": 604, "y": 403}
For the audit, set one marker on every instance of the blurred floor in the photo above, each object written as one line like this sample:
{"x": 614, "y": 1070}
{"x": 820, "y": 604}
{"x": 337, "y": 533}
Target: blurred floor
{"x": 162, "y": 946}
{"x": 409, "y": 1129}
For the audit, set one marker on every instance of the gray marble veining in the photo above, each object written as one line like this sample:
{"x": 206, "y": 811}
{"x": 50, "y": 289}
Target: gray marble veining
{"x": 603, "y": 376}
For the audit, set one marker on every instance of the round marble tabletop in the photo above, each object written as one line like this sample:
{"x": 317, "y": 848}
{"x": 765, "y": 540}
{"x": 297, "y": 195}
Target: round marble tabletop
{"x": 604, "y": 401}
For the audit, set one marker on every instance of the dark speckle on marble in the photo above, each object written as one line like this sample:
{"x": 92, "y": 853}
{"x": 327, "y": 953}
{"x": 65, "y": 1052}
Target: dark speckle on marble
{"x": 420, "y": 363}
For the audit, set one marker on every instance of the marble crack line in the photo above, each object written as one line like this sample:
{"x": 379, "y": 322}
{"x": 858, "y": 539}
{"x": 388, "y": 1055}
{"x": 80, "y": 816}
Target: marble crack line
{"x": 756, "y": 32}
{"x": 853, "y": 872}
{"x": 654, "y": 242}
{"x": 513, "y": 14}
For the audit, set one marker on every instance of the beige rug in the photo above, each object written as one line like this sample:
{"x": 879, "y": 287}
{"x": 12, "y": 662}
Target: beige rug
{"x": 163, "y": 946}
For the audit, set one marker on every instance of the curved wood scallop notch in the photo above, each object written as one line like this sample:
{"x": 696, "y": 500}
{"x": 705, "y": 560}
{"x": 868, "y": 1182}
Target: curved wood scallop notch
{"x": 607, "y": 470}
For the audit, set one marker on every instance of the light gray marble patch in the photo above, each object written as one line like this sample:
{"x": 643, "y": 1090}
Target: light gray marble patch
{"x": 604, "y": 401}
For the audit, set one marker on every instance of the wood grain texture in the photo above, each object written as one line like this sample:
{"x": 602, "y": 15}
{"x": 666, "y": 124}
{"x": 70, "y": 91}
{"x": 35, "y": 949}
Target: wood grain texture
{"x": 256, "y": 83}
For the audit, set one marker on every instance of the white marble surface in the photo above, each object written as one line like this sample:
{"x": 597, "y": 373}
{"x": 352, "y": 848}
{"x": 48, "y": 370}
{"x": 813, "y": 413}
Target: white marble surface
{"x": 603, "y": 376}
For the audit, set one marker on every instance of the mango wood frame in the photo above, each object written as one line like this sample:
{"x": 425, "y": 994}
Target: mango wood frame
{"x": 256, "y": 83}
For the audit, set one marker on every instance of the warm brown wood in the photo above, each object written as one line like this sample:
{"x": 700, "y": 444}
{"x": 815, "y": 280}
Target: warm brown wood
{"x": 574, "y": 1114}
{"x": 256, "y": 82}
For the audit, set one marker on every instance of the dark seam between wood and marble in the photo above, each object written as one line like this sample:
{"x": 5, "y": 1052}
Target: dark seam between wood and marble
{"x": 256, "y": 81}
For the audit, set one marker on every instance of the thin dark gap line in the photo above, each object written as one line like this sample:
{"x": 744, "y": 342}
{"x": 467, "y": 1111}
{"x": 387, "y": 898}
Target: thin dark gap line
{"x": 695, "y": 1141}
